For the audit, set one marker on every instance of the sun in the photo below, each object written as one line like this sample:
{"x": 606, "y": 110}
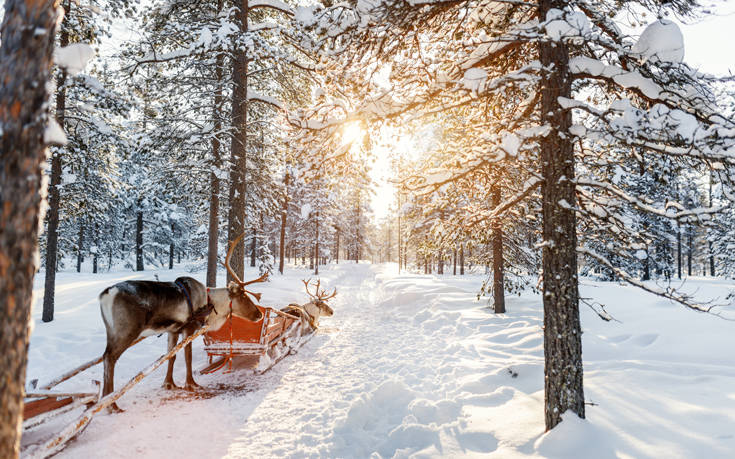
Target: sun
{"x": 352, "y": 133}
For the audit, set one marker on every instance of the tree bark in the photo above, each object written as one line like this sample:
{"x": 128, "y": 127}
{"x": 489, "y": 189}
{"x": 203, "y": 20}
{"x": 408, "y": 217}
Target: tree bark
{"x": 357, "y": 232}
{"x": 562, "y": 332}
{"x": 171, "y": 249}
{"x": 95, "y": 256}
{"x": 238, "y": 146}
{"x": 678, "y": 249}
{"x": 690, "y": 249}
{"x": 26, "y": 46}
{"x": 316, "y": 246}
{"x": 284, "y": 215}
{"x": 213, "y": 242}
{"x": 461, "y": 259}
{"x": 54, "y": 195}
{"x": 709, "y": 240}
{"x": 80, "y": 246}
{"x": 337, "y": 258}
{"x": 253, "y": 246}
{"x": 139, "y": 242}
{"x": 498, "y": 261}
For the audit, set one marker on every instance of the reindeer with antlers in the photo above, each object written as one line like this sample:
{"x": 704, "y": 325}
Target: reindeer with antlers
{"x": 310, "y": 312}
{"x": 134, "y": 309}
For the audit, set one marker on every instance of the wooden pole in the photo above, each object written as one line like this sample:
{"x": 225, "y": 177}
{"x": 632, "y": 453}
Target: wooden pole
{"x": 72, "y": 430}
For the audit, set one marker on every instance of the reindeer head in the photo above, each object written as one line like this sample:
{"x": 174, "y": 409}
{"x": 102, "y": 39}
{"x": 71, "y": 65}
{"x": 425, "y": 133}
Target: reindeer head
{"x": 242, "y": 303}
{"x": 319, "y": 297}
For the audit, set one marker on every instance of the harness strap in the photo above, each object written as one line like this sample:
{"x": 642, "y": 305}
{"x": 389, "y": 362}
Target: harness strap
{"x": 308, "y": 316}
{"x": 200, "y": 315}
{"x": 188, "y": 298}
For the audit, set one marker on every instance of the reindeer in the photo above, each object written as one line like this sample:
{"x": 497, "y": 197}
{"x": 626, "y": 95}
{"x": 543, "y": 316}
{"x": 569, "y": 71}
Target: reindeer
{"x": 134, "y": 309}
{"x": 310, "y": 312}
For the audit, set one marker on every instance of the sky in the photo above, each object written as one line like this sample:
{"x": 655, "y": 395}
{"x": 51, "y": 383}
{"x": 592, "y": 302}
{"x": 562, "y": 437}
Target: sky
{"x": 709, "y": 45}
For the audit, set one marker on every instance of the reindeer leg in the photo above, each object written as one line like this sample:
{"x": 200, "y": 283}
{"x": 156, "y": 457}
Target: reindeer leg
{"x": 168, "y": 383}
{"x": 112, "y": 353}
{"x": 191, "y": 385}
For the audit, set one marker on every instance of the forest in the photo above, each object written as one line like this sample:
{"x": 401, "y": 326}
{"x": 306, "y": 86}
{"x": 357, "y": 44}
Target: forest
{"x": 528, "y": 145}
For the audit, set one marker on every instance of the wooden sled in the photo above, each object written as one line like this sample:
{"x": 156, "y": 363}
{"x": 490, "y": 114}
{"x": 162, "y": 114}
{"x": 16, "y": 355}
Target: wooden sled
{"x": 268, "y": 341}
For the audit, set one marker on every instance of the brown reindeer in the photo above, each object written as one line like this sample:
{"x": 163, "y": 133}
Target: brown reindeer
{"x": 134, "y": 309}
{"x": 310, "y": 312}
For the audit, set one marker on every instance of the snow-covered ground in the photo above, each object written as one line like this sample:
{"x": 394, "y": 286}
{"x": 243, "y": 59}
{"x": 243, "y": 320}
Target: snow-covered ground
{"x": 414, "y": 365}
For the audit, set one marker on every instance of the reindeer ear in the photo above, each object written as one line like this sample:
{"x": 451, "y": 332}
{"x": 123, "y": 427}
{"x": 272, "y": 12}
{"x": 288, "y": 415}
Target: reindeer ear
{"x": 233, "y": 287}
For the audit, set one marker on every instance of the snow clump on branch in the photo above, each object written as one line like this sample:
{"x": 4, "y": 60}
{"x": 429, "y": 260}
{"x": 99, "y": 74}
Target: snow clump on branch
{"x": 661, "y": 41}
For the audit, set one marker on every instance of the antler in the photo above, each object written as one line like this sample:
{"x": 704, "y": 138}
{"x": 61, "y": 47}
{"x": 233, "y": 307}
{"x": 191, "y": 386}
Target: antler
{"x": 334, "y": 293}
{"x": 306, "y": 285}
{"x": 262, "y": 278}
{"x": 233, "y": 244}
{"x": 319, "y": 294}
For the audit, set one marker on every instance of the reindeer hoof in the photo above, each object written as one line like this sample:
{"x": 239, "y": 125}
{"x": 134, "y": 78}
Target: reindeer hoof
{"x": 114, "y": 409}
{"x": 192, "y": 386}
{"x": 169, "y": 385}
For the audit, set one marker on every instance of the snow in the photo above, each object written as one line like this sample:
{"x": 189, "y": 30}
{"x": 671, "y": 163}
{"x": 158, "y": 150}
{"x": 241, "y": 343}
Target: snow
{"x": 634, "y": 79}
{"x": 305, "y": 210}
{"x": 661, "y": 41}
{"x": 252, "y": 95}
{"x": 511, "y": 143}
{"x": 413, "y": 365}
{"x": 473, "y": 79}
{"x": 305, "y": 15}
{"x": 272, "y": 4}
{"x": 73, "y": 58}
{"x": 564, "y": 24}
{"x": 54, "y": 134}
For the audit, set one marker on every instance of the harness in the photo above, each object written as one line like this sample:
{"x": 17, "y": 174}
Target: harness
{"x": 309, "y": 317}
{"x": 200, "y": 315}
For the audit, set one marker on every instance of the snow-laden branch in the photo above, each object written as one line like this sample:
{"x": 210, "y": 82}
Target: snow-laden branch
{"x": 271, "y": 5}
{"x": 272, "y": 101}
{"x": 669, "y": 293}
{"x": 668, "y": 212}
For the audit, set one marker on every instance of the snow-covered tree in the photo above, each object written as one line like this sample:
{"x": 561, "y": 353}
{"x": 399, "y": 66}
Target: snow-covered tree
{"x": 579, "y": 86}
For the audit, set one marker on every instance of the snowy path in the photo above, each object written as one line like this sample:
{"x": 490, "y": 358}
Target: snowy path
{"x": 413, "y": 365}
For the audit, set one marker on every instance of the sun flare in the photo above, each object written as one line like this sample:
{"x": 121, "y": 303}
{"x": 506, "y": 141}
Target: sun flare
{"x": 352, "y": 133}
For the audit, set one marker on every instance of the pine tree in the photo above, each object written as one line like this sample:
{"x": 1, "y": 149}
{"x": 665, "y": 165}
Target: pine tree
{"x": 26, "y": 46}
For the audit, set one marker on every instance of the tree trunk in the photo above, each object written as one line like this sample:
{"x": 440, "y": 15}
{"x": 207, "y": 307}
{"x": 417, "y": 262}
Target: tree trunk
{"x": 54, "y": 196}
{"x": 461, "y": 259}
{"x": 562, "y": 331}
{"x": 213, "y": 236}
{"x": 139, "y": 242}
{"x": 678, "y": 249}
{"x": 357, "y": 231}
{"x": 316, "y": 245}
{"x": 284, "y": 215}
{"x": 337, "y": 251}
{"x": 238, "y": 148}
{"x": 498, "y": 261}
{"x": 26, "y": 47}
{"x": 690, "y": 249}
{"x": 171, "y": 249}
{"x": 95, "y": 256}
{"x": 253, "y": 246}
{"x": 80, "y": 246}
{"x": 709, "y": 240}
